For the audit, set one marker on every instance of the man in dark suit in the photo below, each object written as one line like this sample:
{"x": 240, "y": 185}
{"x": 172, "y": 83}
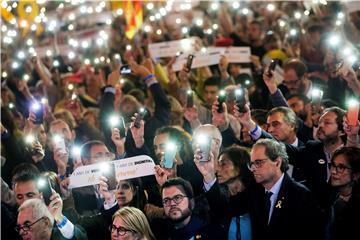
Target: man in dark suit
{"x": 279, "y": 207}
{"x": 36, "y": 221}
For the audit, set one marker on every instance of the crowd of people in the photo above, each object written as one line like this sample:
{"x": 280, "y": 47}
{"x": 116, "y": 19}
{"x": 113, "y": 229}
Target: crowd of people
{"x": 284, "y": 164}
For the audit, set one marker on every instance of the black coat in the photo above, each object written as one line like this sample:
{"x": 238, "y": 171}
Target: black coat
{"x": 295, "y": 215}
{"x": 209, "y": 226}
{"x": 79, "y": 234}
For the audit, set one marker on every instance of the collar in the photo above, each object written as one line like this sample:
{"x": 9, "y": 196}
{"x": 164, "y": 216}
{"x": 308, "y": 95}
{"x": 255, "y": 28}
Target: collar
{"x": 329, "y": 155}
{"x": 295, "y": 143}
{"x": 276, "y": 188}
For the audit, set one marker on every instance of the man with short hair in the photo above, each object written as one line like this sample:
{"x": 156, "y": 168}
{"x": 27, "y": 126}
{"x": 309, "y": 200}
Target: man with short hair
{"x": 88, "y": 200}
{"x": 297, "y": 103}
{"x": 280, "y": 208}
{"x": 181, "y": 220}
{"x": 36, "y": 221}
{"x": 282, "y": 125}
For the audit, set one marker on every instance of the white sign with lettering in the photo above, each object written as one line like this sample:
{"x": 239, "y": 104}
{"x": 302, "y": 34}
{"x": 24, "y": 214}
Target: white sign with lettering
{"x": 127, "y": 168}
{"x": 171, "y": 48}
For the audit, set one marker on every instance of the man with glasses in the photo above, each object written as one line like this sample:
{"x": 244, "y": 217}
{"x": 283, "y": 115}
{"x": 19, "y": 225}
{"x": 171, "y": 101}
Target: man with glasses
{"x": 88, "y": 200}
{"x": 279, "y": 207}
{"x": 36, "y": 221}
{"x": 181, "y": 212}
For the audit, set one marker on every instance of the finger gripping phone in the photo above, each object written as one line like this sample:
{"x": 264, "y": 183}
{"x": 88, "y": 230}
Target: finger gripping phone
{"x": 240, "y": 99}
{"x": 189, "y": 61}
{"x": 110, "y": 174}
{"x": 272, "y": 66}
{"x": 205, "y": 148}
{"x": 140, "y": 115}
{"x": 189, "y": 99}
{"x": 45, "y": 186}
{"x": 121, "y": 127}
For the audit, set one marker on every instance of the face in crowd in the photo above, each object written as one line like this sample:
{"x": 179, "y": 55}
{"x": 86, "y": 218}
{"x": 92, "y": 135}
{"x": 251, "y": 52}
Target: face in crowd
{"x": 177, "y": 205}
{"x": 226, "y": 169}
{"x": 26, "y": 190}
{"x": 124, "y": 193}
{"x": 328, "y": 127}
{"x": 62, "y": 129}
{"x": 210, "y": 94}
{"x": 264, "y": 169}
{"x": 280, "y": 128}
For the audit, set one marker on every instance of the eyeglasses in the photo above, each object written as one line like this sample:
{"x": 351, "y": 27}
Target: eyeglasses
{"x": 177, "y": 199}
{"x": 26, "y": 227}
{"x": 339, "y": 168}
{"x": 274, "y": 124}
{"x": 258, "y": 163}
{"x": 291, "y": 82}
{"x": 120, "y": 230}
{"x": 107, "y": 155}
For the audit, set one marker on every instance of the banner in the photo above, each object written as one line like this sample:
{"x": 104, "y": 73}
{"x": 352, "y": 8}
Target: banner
{"x": 127, "y": 168}
{"x": 171, "y": 48}
{"x": 210, "y": 57}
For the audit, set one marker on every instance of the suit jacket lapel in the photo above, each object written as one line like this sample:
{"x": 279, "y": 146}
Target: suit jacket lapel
{"x": 280, "y": 202}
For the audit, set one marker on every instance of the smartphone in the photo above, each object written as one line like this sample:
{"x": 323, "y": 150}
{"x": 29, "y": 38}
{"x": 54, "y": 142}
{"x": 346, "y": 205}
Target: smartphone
{"x": 240, "y": 99}
{"x": 59, "y": 143}
{"x": 189, "y": 99}
{"x": 140, "y": 115}
{"x": 169, "y": 155}
{"x": 110, "y": 174}
{"x": 121, "y": 127}
{"x": 205, "y": 148}
{"x": 189, "y": 61}
{"x": 221, "y": 99}
{"x": 125, "y": 69}
{"x": 38, "y": 109}
{"x": 44, "y": 186}
{"x": 272, "y": 66}
{"x": 353, "y": 112}
{"x": 316, "y": 96}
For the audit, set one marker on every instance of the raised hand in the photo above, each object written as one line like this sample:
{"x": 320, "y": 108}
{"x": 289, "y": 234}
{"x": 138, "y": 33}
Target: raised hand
{"x": 55, "y": 206}
{"x": 244, "y": 117}
{"x": 109, "y": 196}
{"x": 270, "y": 81}
{"x": 206, "y": 168}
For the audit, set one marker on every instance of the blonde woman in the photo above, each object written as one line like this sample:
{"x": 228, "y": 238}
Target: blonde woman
{"x": 130, "y": 223}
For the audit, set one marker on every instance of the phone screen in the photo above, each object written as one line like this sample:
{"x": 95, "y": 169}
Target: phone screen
{"x": 169, "y": 156}
{"x": 122, "y": 127}
{"x": 38, "y": 109}
{"x": 125, "y": 69}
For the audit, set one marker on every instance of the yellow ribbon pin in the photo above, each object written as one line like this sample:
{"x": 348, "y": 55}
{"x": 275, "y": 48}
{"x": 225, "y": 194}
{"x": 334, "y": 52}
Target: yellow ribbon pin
{"x": 278, "y": 205}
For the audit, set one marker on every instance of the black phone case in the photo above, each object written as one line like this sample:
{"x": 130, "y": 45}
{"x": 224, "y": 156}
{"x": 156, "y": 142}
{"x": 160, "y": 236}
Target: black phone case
{"x": 39, "y": 115}
{"x": 221, "y": 100}
{"x": 241, "y": 101}
{"x": 111, "y": 177}
{"x": 189, "y": 100}
{"x": 46, "y": 192}
{"x": 122, "y": 127}
{"x": 272, "y": 66}
{"x": 138, "y": 118}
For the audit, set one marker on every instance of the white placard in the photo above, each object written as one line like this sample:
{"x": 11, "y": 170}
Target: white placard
{"x": 238, "y": 54}
{"x": 169, "y": 49}
{"x": 210, "y": 57}
{"x": 127, "y": 168}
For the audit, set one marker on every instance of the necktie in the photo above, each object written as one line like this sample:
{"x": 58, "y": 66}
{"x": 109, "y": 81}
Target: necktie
{"x": 267, "y": 205}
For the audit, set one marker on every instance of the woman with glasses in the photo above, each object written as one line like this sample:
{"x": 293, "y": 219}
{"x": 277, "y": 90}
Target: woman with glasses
{"x": 234, "y": 176}
{"x": 130, "y": 223}
{"x": 345, "y": 199}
